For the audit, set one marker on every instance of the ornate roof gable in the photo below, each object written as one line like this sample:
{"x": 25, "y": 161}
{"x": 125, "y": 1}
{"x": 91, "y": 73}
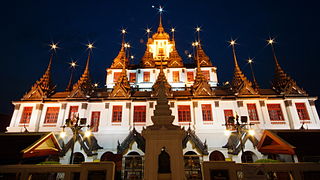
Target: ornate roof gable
{"x": 147, "y": 59}
{"x": 134, "y": 136}
{"x": 42, "y": 88}
{"x": 240, "y": 84}
{"x": 83, "y": 88}
{"x": 156, "y": 89}
{"x": 118, "y": 62}
{"x": 282, "y": 82}
{"x": 175, "y": 60}
{"x": 122, "y": 86}
{"x": 203, "y": 58}
{"x": 191, "y": 136}
{"x": 201, "y": 87}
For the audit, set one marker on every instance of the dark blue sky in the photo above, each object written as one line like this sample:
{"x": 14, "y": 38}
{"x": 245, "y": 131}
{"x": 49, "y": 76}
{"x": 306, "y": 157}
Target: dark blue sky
{"x": 27, "y": 27}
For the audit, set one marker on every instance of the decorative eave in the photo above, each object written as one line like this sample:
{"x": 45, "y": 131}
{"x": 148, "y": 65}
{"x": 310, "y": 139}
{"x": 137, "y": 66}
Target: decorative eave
{"x": 175, "y": 60}
{"x": 88, "y": 144}
{"x": 83, "y": 88}
{"x": 42, "y": 88}
{"x": 191, "y": 136}
{"x": 118, "y": 62}
{"x": 134, "y": 136}
{"x": 47, "y": 145}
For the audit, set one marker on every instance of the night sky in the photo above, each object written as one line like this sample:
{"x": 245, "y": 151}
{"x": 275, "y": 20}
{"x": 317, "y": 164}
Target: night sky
{"x": 28, "y": 27}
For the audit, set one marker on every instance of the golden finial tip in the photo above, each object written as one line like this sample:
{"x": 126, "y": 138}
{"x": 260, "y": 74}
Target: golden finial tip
{"x": 198, "y": 29}
{"x": 90, "y": 45}
{"x": 148, "y": 30}
{"x": 189, "y": 56}
{"x": 73, "y": 64}
{"x": 232, "y": 42}
{"x": 250, "y": 61}
{"x": 123, "y": 31}
{"x": 270, "y": 41}
{"x": 96, "y": 84}
{"x": 172, "y": 29}
{"x": 132, "y": 57}
{"x": 54, "y": 46}
{"x": 160, "y": 9}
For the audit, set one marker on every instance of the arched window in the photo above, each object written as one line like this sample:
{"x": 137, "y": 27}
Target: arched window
{"x": 164, "y": 162}
{"x": 216, "y": 156}
{"x": 248, "y": 157}
{"x": 107, "y": 156}
{"x": 78, "y": 158}
{"x": 192, "y": 166}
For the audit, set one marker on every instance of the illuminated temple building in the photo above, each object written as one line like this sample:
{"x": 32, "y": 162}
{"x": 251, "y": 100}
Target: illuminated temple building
{"x": 202, "y": 106}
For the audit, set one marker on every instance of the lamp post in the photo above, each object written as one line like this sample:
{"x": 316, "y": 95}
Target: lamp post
{"x": 239, "y": 126}
{"x": 75, "y": 124}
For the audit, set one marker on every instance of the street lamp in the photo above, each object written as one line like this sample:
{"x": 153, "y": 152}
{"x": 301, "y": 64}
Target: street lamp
{"x": 75, "y": 124}
{"x": 240, "y": 127}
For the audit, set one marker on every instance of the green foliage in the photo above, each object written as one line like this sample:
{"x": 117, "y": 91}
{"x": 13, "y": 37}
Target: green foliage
{"x": 49, "y": 162}
{"x": 266, "y": 161}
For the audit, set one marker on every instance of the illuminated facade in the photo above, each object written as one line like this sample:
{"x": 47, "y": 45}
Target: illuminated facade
{"x": 119, "y": 112}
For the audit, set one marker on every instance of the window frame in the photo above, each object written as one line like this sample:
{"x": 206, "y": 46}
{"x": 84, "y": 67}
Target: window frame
{"x": 207, "y": 112}
{"x": 252, "y": 109}
{"x": 116, "y": 118}
{"x": 52, "y": 118}
{"x": 95, "y": 121}
{"x": 146, "y": 76}
{"x": 184, "y": 113}
{"x": 190, "y": 76}
{"x": 305, "y": 115}
{"x": 132, "y": 77}
{"x": 26, "y": 115}
{"x": 116, "y": 76}
{"x": 175, "y": 76}
{"x": 275, "y": 112}
{"x": 139, "y": 114}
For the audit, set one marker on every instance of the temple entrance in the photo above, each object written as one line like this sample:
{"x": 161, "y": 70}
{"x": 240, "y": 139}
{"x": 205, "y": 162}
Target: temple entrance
{"x": 216, "y": 156}
{"x": 78, "y": 158}
{"x": 133, "y": 166}
{"x": 192, "y": 166}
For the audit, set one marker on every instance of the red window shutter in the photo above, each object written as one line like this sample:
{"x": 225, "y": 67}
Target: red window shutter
{"x": 275, "y": 112}
{"x": 146, "y": 76}
{"x": 132, "y": 77}
{"x": 116, "y": 76}
{"x": 184, "y": 114}
{"x": 190, "y": 76}
{"x": 52, "y": 115}
{"x": 206, "y": 112}
{"x": 73, "y": 111}
{"x": 175, "y": 76}
{"x": 26, "y": 115}
{"x": 228, "y": 113}
{"x": 206, "y": 74}
{"x": 302, "y": 111}
{"x": 117, "y": 114}
{"x": 253, "y": 114}
{"x": 139, "y": 114}
{"x": 95, "y": 118}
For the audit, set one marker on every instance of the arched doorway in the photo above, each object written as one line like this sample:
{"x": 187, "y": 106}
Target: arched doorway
{"x": 192, "y": 165}
{"x": 133, "y": 166}
{"x": 78, "y": 158}
{"x": 216, "y": 156}
{"x": 248, "y": 157}
{"x": 164, "y": 162}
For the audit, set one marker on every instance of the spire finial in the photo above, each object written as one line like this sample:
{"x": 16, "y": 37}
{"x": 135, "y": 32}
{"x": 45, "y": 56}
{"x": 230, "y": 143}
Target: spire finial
{"x": 255, "y": 83}
{"x": 90, "y": 47}
{"x": 73, "y": 65}
{"x": 148, "y": 30}
{"x": 173, "y": 30}
{"x": 271, "y": 41}
{"x": 198, "y": 29}
{"x": 232, "y": 44}
{"x": 123, "y": 32}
